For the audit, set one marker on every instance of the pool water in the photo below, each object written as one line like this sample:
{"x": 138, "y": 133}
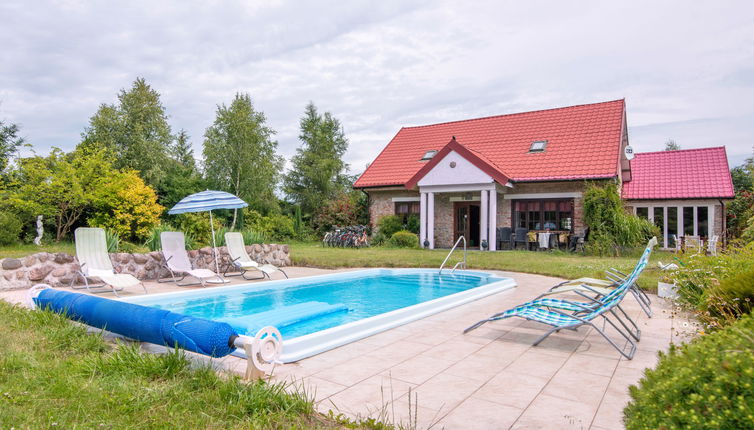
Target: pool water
{"x": 304, "y": 306}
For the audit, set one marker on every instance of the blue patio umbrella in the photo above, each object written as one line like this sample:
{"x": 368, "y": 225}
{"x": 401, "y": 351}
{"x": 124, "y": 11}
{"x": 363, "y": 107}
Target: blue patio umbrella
{"x": 207, "y": 201}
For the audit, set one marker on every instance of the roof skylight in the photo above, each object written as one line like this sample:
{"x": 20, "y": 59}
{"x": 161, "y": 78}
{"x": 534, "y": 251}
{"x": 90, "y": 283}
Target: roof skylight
{"x": 538, "y": 146}
{"x": 428, "y": 155}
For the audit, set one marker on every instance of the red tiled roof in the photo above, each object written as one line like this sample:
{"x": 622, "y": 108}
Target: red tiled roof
{"x": 583, "y": 142}
{"x": 684, "y": 174}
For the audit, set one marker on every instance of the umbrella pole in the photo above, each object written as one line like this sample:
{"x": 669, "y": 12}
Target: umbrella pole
{"x": 214, "y": 244}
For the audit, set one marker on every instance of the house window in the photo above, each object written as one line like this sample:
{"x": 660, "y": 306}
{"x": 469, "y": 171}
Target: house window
{"x": 675, "y": 222}
{"x": 405, "y": 209}
{"x": 549, "y": 214}
{"x": 688, "y": 220}
{"x": 672, "y": 226}
{"x": 428, "y": 155}
{"x": 538, "y": 146}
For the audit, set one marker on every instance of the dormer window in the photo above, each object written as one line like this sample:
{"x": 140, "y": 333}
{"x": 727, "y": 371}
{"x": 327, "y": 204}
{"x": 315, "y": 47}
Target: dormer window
{"x": 428, "y": 155}
{"x": 538, "y": 146}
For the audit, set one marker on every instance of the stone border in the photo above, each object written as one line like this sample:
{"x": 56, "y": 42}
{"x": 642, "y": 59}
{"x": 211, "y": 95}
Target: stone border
{"x": 60, "y": 269}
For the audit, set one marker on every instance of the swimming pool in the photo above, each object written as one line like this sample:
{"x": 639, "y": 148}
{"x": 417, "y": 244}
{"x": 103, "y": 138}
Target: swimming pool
{"x": 318, "y": 313}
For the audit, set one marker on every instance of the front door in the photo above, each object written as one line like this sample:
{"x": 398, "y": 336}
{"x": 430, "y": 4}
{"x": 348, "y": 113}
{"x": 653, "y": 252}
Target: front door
{"x": 466, "y": 222}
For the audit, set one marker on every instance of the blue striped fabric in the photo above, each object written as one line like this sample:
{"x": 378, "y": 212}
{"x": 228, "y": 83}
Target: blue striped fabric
{"x": 207, "y": 201}
{"x": 537, "y": 310}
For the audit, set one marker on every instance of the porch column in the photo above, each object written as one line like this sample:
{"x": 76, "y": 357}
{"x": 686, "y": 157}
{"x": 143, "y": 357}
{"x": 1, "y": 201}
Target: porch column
{"x": 431, "y": 220}
{"x": 422, "y": 219}
{"x": 492, "y": 235}
{"x": 483, "y": 212}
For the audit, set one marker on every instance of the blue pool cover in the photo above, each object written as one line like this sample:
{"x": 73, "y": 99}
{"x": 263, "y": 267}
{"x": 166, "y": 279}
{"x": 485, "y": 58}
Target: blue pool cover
{"x": 284, "y": 316}
{"x": 143, "y": 323}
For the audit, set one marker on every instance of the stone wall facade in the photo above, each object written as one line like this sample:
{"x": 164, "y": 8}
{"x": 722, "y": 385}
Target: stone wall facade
{"x": 381, "y": 204}
{"x": 60, "y": 269}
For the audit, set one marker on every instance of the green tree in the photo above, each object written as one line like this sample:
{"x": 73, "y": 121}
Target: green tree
{"x": 743, "y": 176}
{"x": 126, "y": 205}
{"x": 60, "y": 186}
{"x": 182, "y": 176}
{"x": 135, "y": 132}
{"x": 9, "y": 142}
{"x": 240, "y": 155}
{"x": 670, "y": 145}
{"x": 318, "y": 173}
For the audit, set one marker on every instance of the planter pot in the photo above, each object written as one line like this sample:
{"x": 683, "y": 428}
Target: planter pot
{"x": 666, "y": 290}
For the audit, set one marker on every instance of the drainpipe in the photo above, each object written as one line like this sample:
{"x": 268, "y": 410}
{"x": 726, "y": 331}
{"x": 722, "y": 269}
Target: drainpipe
{"x": 368, "y": 207}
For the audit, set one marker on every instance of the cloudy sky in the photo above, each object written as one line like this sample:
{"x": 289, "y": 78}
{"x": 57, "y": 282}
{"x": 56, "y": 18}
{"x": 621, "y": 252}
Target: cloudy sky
{"x": 685, "y": 69}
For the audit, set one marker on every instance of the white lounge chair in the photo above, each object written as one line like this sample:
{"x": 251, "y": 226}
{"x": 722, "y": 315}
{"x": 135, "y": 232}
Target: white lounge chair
{"x": 176, "y": 260}
{"x": 242, "y": 261}
{"x": 94, "y": 262}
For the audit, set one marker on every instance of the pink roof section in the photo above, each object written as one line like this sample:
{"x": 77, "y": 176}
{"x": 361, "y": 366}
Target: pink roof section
{"x": 583, "y": 142}
{"x": 684, "y": 174}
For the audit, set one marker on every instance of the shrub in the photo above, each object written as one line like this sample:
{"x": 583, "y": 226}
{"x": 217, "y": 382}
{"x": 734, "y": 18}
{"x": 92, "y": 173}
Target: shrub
{"x": 612, "y": 229}
{"x": 127, "y": 205}
{"x": 389, "y": 225}
{"x": 275, "y": 226}
{"x": 197, "y": 226}
{"x": 708, "y": 383}
{"x": 413, "y": 223}
{"x": 699, "y": 274}
{"x": 725, "y": 303}
{"x": 342, "y": 210}
{"x": 404, "y": 239}
{"x": 251, "y": 237}
{"x": 112, "y": 239}
{"x": 10, "y": 228}
{"x": 132, "y": 248}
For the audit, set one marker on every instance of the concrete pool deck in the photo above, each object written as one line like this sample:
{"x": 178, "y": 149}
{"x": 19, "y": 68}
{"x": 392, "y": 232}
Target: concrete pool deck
{"x": 427, "y": 373}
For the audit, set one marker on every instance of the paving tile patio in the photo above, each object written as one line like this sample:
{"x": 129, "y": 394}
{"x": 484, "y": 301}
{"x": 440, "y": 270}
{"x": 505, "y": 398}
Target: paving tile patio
{"x": 427, "y": 373}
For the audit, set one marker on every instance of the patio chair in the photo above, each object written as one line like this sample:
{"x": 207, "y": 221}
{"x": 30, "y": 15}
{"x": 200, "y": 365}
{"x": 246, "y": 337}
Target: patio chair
{"x": 242, "y": 261}
{"x": 176, "y": 260}
{"x": 676, "y": 243}
{"x": 521, "y": 236}
{"x": 94, "y": 262}
{"x": 712, "y": 245}
{"x": 504, "y": 237}
{"x": 602, "y": 287}
{"x": 693, "y": 243}
{"x": 552, "y": 312}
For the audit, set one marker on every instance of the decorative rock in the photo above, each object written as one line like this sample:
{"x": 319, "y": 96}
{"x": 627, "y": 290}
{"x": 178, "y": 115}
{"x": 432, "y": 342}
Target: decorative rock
{"x": 60, "y": 269}
{"x": 11, "y": 263}
{"x": 62, "y": 258}
{"x": 39, "y": 273}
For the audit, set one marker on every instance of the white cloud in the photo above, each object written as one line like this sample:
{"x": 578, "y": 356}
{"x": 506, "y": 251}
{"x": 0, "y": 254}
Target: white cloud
{"x": 684, "y": 69}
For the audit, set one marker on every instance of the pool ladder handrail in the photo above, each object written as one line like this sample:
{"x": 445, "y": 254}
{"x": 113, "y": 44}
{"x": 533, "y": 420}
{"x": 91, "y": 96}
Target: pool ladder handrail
{"x": 460, "y": 263}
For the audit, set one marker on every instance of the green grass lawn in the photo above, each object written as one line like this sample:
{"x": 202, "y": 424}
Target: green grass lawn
{"x": 552, "y": 263}
{"x": 55, "y": 375}
{"x": 22, "y": 250}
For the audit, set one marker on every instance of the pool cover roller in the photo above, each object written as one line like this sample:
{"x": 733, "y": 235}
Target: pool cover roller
{"x": 142, "y": 323}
